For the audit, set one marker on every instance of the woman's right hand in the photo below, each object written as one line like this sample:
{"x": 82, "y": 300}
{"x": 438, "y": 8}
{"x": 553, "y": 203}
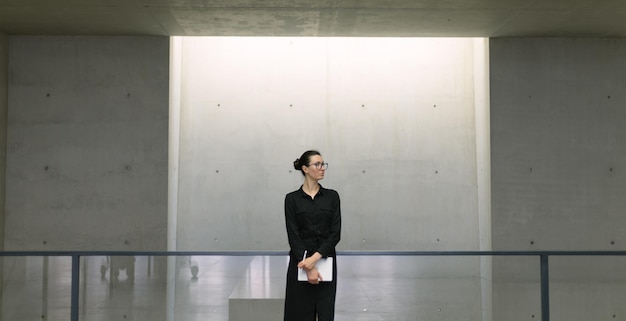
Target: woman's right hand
{"x": 313, "y": 276}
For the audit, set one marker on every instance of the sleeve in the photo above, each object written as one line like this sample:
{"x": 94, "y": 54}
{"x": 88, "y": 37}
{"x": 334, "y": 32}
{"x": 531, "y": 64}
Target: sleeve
{"x": 293, "y": 234}
{"x": 327, "y": 247}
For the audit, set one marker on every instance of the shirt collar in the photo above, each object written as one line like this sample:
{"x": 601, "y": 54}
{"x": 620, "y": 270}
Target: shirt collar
{"x": 320, "y": 192}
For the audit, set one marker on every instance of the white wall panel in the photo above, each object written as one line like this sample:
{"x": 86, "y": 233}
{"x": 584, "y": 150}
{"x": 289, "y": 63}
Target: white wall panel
{"x": 393, "y": 117}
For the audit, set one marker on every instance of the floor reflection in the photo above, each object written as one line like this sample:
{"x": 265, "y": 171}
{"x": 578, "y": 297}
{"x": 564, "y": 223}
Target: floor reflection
{"x": 135, "y": 288}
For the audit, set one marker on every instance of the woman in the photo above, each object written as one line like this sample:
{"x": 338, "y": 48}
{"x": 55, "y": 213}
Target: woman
{"x": 313, "y": 219}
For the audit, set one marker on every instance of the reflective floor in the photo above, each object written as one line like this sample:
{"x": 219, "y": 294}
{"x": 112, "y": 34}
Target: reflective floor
{"x": 203, "y": 288}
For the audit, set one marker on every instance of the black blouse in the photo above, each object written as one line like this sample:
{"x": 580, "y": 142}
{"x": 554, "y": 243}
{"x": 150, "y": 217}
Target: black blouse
{"x": 313, "y": 224}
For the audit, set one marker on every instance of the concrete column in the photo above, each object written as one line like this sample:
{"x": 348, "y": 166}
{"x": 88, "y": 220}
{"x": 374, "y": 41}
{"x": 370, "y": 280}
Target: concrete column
{"x": 4, "y": 104}
{"x": 483, "y": 169}
{"x": 174, "y": 143}
{"x": 4, "y": 67}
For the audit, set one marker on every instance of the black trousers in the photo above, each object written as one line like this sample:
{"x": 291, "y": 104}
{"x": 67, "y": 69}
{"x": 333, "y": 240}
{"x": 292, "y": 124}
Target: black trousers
{"x": 309, "y": 302}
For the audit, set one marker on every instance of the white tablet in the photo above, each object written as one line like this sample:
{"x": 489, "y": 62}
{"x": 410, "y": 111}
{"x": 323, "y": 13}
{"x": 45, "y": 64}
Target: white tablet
{"x": 324, "y": 267}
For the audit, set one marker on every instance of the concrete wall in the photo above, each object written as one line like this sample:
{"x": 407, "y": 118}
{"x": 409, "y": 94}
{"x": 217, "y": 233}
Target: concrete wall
{"x": 4, "y": 100}
{"x": 558, "y": 175}
{"x": 395, "y": 118}
{"x": 87, "y": 143}
{"x": 87, "y": 151}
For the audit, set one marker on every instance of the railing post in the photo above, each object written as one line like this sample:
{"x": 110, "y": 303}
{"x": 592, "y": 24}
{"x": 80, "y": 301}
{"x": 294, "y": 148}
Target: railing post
{"x": 75, "y": 286}
{"x": 545, "y": 289}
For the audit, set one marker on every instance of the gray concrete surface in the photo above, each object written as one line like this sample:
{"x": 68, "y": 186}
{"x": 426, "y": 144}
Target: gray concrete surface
{"x": 347, "y": 18}
{"x": 87, "y": 143}
{"x": 557, "y": 132}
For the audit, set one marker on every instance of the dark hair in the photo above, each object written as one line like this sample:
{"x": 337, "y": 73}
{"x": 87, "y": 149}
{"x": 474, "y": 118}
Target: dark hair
{"x": 304, "y": 160}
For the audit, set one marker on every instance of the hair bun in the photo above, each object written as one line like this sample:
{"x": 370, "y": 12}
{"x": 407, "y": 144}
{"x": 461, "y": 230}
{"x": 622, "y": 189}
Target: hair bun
{"x": 296, "y": 164}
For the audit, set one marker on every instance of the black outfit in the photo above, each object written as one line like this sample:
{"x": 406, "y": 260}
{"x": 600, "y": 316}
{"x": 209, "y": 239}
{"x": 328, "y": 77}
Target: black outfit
{"x": 314, "y": 225}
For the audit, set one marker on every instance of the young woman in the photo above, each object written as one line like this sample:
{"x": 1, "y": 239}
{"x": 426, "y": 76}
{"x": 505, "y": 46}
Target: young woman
{"x": 313, "y": 219}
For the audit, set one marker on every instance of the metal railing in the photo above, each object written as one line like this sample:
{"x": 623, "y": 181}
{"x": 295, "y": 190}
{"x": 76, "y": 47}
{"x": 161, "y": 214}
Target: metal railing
{"x": 542, "y": 255}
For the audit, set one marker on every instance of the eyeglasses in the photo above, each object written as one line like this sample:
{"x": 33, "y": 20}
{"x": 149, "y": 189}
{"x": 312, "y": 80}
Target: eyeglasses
{"x": 319, "y": 165}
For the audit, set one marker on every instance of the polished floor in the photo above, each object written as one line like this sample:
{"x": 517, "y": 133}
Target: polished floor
{"x": 125, "y": 288}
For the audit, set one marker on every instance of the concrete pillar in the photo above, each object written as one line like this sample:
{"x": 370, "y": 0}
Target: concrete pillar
{"x": 483, "y": 169}
{"x": 4, "y": 81}
{"x": 4, "y": 66}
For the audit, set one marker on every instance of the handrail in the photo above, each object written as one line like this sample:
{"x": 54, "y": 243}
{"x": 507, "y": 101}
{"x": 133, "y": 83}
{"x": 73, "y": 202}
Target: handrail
{"x": 543, "y": 255}
{"x": 341, "y": 253}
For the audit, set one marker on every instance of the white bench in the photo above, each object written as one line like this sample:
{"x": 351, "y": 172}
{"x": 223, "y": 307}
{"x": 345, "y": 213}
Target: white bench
{"x": 260, "y": 295}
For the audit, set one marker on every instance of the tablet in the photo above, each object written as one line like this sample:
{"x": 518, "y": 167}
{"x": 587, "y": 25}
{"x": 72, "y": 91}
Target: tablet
{"x": 324, "y": 266}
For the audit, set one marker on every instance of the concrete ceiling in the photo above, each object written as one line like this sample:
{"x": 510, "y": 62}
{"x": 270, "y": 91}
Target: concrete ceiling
{"x": 356, "y": 18}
